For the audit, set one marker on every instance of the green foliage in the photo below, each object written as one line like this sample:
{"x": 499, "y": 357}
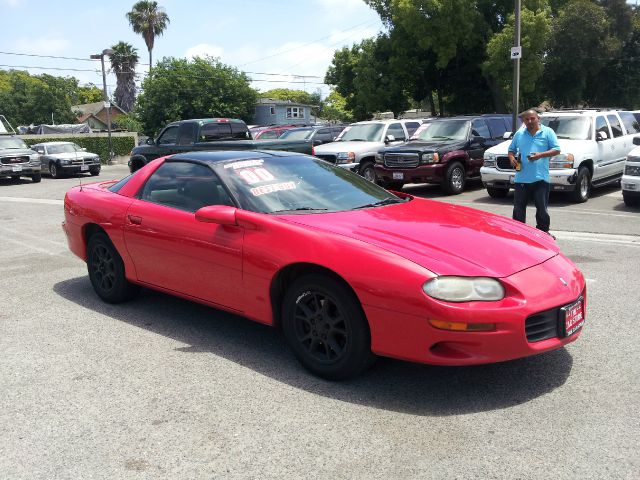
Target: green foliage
{"x": 88, "y": 94}
{"x": 178, "y": 89}
{"x": 334, "y": 108}
{"x": 128, "y": 122}
{"x": 98, "y": 145}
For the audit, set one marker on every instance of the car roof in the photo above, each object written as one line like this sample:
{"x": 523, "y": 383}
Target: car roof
{"x": 573, "y": 113}
{"x": 52, "y": 143}
{"x": 217, "y": 156}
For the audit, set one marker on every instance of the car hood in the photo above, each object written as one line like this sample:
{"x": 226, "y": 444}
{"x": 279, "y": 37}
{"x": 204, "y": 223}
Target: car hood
{"x": 425, "y": 146}
{"x": 336, "y": 147}
{"x": 576, "y": 147}
{"x": 444, "y": 238}
{"x": 16, "y": 152}
{"x": 72, "y": 156}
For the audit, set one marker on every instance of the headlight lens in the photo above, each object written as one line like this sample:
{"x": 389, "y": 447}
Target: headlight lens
{"x": 633, "y": 170}
{"x": 65, "y": 162}
{"x": 379, "y": 158}
{"x": 562, "y": 160}
{"x": 489, "y": 159}
{"x": 35, "y": 158}
{"x": 432, "y": 157}
{"x": 346, "y": 157}
{"x": 464, "y": 289}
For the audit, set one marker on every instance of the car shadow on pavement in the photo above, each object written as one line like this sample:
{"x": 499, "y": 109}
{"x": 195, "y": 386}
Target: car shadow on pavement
{"x": 389, "y": 385}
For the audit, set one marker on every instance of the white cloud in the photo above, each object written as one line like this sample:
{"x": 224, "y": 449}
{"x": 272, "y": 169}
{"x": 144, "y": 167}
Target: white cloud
{"x": 204, "y": 49}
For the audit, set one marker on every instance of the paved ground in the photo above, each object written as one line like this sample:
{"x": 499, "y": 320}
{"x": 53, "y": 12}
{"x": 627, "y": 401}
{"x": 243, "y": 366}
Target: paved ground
{"x": 163, "y": 388}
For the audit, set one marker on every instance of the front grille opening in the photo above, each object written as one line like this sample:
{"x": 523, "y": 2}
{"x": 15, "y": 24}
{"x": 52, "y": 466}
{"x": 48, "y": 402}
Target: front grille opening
{"x": 542, "y": 326}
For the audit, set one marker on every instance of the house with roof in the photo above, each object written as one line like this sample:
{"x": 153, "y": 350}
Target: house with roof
{"x": 95, "y": 114}
{"x": 282, "y": 112}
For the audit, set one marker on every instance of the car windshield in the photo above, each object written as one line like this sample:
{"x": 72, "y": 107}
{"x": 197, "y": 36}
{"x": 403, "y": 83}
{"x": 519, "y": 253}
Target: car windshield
{"x": 418, "y": 134}
{"x": 570, "y": 128}
{"x": 366, "y": 132}
{"x": 297, "y": 134}
{"x": 446, "y": 130}
{"x": 63, "y": 148}
{"x": 12, "y": 143}
{"x": 299, "y": 184}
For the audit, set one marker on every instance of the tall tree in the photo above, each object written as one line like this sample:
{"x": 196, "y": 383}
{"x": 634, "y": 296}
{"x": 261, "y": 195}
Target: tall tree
{"x": 149, "y": 20}
{"x": 87, "y": 94}
{"x": 124, "y": 60}
{"x": 203, "y": 87}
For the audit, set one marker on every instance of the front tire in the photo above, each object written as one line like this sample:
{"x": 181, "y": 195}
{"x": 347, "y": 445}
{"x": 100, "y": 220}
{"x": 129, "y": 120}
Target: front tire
{"x": 455, "y": 179}
{"x": 395, "y": 186}
{"x": 53, "y": 170}
{"x": 368, "y": 172}
{"x": 106, "y": 271}
{"x": 495, "y": 192}
{"x": 94, "y": 172}
{"x": 583, "y": 186}
{"x": 326, "y": 328}
{"x": 36, "y": 177}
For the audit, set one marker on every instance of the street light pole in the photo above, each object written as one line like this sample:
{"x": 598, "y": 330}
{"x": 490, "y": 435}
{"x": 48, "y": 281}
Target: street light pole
{"x": 516, "y": 54}
{"x": 107, "y": 103}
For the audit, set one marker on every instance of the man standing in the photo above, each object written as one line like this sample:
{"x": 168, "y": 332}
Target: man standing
{"x": 532, "y": 147}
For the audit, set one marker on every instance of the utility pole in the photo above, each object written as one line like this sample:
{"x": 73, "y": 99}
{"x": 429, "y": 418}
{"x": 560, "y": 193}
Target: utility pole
{"x": 107, "y": 103}
{"x": 516, "y": 54}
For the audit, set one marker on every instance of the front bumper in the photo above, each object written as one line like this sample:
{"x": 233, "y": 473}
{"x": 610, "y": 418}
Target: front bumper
{"x": 82, "y": 168}
{"x": 431, "y": 173}
{"x": 14, "y": 170}
{"x": 630, "y": 185}
{"x": 560, "y": 179}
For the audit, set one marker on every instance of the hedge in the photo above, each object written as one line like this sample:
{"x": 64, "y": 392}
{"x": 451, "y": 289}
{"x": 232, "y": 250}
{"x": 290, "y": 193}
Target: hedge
{"x": 99, "y": 145}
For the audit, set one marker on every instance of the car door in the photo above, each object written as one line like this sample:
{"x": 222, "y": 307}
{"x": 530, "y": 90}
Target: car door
{"x": 621, "y": 146}
{"x": 476, "y": 148}
{"x": 605, "y": 147}
{"x": 171, "y": 249}
{"x": 168, "y": 141}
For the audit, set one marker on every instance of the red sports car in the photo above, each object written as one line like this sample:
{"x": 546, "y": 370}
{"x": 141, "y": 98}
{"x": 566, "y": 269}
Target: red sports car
{"x": 347, "y": 269}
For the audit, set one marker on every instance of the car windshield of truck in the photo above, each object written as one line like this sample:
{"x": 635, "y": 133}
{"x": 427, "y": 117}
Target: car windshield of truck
{"x": 364, "y": 132}
{"x": 569, "y": 128}
{"x": 63, "y": 148}
{"x": 12, "y": 143}
{"x": 446, "y": 130}
{"x": 299, "y": 184}
{"x": 297, "y": 134}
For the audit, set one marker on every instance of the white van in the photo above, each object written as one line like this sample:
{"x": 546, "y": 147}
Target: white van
{"x": 593, "y": 145}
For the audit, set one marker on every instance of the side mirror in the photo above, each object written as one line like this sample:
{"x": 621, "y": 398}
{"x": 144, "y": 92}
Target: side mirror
{"x": 218, "y": 214}
{"x": 317, "y": 142}
{"x": 150, "y": 141}
{"x": 389, "y": 138}
{"x": 636, "y": 140}
{"x": 478, "y": 139}
{"x": 83, "y": 149}
{"x": 601, "y": 136}
{"x": 507, "y": 135}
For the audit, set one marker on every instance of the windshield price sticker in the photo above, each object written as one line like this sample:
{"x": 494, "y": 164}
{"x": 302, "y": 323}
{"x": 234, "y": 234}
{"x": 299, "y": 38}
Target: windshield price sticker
{"x": 244, "y": 164}
{"x": 256, "y": 175}
{"x": 274, "y": 187}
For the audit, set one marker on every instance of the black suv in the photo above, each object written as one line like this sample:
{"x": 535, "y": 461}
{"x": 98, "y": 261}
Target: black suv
{"x": 445, "y": 151}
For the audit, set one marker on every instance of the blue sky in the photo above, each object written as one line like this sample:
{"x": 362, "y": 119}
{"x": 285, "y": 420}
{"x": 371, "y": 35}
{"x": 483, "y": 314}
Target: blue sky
{"x": 291, "y": 40}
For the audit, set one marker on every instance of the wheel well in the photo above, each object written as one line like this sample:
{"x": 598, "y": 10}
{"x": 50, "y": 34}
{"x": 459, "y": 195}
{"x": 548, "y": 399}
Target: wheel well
{"x": 89, "y": 230}
{"x": 366, "y": 160}
{"x": 288, "y": 275}
{"x": 589, "y": 165}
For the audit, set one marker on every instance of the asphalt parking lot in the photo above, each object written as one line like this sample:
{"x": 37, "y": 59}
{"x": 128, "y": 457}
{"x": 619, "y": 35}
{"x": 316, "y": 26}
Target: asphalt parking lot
{"x": 164, "y": 388}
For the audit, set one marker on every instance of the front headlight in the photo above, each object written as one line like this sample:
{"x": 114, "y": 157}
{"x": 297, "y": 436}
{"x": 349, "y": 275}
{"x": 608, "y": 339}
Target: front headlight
{"x": 432, "y": 157}
{"x": 65, "y": 161}
{"x": 464, "y": 289}
{"x": 379, "y": 158}
{"x": 346, "y": 157}
{"x": 489, "y": 159}
{"x": 562, "y": 160}
{"x": 633, "y": 170}
{"x": 35, "y": 158}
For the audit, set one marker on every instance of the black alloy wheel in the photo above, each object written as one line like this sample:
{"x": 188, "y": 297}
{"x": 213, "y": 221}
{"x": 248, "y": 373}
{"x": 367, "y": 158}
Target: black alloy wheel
{"x": 106, "y": 271}
{"x": 326, "y": 328}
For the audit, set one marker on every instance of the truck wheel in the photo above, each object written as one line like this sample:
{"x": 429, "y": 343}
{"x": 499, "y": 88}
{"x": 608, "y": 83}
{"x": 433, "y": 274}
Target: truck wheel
{"x": 368, "y": 172}
{"x": 15, "y": 178}
{"x": 583, "y": 186}
{"x": 630, "y": 201}
{"x": 36, "y": 177}
{"x": 495, "y": 192}
{"x": 454, "y": 179}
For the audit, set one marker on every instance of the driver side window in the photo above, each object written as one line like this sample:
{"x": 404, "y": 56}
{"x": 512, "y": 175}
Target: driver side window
{"x": 169, "y": 136}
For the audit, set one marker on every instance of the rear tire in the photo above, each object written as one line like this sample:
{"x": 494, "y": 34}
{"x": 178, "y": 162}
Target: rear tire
{"x": 454, "y": 179}
{"x": 106, "y": 271}
{"x": 36, "y": 177}
{"x": 583, "y": 186}
{"x": 325, "y": 327}
{"x": 495, "y": 192}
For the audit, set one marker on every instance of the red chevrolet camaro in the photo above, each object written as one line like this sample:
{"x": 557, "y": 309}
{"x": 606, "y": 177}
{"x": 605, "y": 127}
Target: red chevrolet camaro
{"x": 347, "y": 269}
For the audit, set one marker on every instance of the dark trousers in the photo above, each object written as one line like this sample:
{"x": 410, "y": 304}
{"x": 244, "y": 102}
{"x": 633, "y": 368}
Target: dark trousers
{"x": 539, "y": 193}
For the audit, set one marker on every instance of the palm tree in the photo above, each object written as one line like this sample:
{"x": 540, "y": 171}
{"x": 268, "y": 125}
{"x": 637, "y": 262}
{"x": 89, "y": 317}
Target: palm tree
{"x": 124, "y": 60}
{"x": 148, "y": 19}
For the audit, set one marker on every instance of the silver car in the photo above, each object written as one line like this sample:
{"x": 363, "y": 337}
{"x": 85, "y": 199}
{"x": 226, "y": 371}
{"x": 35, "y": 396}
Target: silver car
{"x": 66, "y": 158}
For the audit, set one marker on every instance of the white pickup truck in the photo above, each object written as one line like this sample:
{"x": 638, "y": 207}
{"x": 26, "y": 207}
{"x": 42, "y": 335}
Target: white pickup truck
{"x": 593, "y": 145}
{"x": 356, "y": 147}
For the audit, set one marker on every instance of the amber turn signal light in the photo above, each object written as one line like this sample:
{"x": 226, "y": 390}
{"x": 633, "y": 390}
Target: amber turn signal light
{"x": 462, "y": 327}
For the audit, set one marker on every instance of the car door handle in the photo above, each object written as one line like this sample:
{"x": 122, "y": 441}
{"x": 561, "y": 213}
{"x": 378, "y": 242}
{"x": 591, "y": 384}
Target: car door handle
{"x": 135, "y": 220}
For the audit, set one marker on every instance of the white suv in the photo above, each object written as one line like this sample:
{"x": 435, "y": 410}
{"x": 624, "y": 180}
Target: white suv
{"x": 631, "y": 177}
{"x": 593, "y": 145}
{"x": 356, "y": 147}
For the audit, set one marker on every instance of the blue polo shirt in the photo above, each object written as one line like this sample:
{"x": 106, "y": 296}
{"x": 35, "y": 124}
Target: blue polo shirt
{"x": 525, "y": 143}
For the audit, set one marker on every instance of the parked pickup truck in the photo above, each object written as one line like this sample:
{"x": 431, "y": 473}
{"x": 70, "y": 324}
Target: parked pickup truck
{"x": 207, "y": 134}
{"x": 445, "y": 151}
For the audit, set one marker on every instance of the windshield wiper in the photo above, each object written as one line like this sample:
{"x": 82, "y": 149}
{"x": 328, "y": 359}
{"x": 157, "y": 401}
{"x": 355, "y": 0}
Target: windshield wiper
{"x": 299, "y": 209}
{"x": 386, "y": 201}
